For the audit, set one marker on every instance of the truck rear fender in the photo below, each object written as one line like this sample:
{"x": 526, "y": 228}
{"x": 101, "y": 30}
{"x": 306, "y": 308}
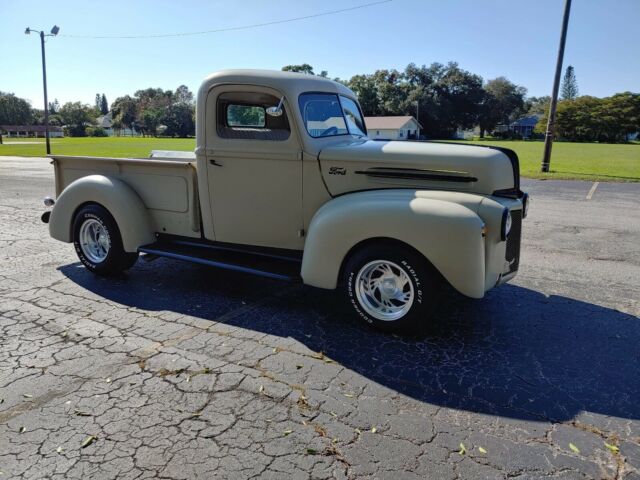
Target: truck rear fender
{"x": 116, "y": 196}
{"x": 448, "y": 234}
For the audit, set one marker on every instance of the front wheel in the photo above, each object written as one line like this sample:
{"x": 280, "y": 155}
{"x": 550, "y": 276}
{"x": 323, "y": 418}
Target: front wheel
{"x": 97, "y": 241}
{"x": 391, "y": 287}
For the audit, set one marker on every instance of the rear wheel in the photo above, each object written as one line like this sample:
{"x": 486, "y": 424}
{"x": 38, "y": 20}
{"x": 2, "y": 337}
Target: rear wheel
{"x": 391, "y": 287}
{"x": 98, "y": 243}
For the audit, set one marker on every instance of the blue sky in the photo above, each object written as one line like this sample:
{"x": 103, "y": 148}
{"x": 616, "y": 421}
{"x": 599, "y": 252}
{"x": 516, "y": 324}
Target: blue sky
{"x": 492, "y": 38}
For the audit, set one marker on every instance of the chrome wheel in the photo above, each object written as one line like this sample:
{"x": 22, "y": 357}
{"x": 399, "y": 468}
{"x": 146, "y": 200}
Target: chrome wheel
{"x": 94, "y": 240}
{"x": 384, "y": 290}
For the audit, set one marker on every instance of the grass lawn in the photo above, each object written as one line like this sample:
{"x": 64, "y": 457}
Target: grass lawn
{"x": 584, "y": 161}
{"x": 587, "y": 161}
{"x": 95, "y": 146}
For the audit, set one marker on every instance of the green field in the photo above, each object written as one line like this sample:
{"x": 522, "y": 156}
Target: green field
{"x": 588, "y": 161}
{"x": 95, "y": 146}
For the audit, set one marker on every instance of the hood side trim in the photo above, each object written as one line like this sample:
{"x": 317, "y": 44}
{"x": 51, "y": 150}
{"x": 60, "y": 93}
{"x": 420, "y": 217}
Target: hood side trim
{"x": 418, "y": 174}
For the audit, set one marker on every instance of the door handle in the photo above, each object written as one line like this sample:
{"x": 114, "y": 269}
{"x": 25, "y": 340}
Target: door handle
{"x": 213, "y": 162}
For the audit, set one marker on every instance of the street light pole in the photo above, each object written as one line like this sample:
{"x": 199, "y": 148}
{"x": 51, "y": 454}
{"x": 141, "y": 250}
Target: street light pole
{"x": 548, "y": 136}
{"x": 54, "y": 32}
{"x": 46, "y": 100}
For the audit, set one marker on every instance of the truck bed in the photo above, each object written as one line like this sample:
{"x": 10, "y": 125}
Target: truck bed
{"x": 166, "y": 186}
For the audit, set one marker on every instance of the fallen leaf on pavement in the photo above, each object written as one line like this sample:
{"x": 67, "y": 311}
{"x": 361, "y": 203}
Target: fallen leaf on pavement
{"x": 482, "y": 450}
{"x": 462, "y": 450}
{"x": 613, "y": 448}
{"x": 88, "y": 441}
{"x": 574, "y": 448}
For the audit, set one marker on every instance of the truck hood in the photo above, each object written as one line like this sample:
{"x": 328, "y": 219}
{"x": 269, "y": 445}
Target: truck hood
{"x": 371, "y": 164}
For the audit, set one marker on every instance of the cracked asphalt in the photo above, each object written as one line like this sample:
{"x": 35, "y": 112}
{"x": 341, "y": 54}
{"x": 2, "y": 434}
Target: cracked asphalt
{"x": 180, "y": 371}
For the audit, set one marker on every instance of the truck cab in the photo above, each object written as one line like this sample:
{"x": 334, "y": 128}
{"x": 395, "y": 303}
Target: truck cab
{"x": 285, "y": 183}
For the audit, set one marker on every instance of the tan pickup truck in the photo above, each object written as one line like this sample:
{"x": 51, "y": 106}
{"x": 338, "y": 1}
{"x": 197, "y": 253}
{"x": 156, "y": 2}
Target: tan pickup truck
{"x": 285, "y": 183}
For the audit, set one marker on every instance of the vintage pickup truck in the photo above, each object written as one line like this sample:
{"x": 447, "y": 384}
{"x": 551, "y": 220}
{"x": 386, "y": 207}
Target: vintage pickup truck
{"x": 285, "y": 183}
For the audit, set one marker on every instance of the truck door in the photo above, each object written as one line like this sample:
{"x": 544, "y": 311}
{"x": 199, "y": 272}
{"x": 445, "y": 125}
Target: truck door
{"x": 254, "y": 168}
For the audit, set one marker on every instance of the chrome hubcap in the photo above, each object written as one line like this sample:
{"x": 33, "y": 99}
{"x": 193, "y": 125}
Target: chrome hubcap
{"x": 94, "y": 240}
{"x": 384, "y": 290}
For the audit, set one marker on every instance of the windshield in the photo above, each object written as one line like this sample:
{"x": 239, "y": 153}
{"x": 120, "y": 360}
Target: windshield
{"x": 328, "y": 114}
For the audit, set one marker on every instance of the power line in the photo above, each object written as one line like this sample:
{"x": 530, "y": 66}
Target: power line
{"x": 230, "y": 29}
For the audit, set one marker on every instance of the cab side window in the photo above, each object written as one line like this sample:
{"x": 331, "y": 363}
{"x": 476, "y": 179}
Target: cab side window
{"x": 242, "y": 115}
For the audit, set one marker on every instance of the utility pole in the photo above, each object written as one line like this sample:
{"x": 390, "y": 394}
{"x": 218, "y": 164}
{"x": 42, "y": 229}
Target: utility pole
{"x": 548, "y": 136}
{"x": 54, "y": 32}
{"x": 418, "y": 118}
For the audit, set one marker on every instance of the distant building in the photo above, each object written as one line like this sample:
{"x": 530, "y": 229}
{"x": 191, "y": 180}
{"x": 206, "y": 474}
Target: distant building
{"x": 466, "y": 134}
{"x": 106, "y": 123}
{"x": 392, "y": 128}
{"x": 523, "y": 126}
{"x": 31, "y": 131}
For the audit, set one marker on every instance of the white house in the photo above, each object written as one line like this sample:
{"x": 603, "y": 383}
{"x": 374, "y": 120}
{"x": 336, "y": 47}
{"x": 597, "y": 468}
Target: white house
{"x": 392, "y": 128}
{"x": 106, "y": 122}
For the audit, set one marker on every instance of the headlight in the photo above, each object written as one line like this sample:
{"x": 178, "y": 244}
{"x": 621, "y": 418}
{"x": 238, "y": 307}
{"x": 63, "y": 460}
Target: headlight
{"x": 525, "y": 205}
{"x": 506, "y": 224}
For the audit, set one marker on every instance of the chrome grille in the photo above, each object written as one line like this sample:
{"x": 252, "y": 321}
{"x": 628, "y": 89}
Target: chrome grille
{"x": 513, "y": 241}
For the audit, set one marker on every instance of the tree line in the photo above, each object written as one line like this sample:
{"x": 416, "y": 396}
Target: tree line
{"x": 445, "y": 98}
{"x": 154, "y": 111}
{"x": 151, "y": 111}
{"x": 589, "y": 119}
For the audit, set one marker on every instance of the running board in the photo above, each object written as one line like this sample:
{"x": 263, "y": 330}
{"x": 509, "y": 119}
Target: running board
{"x": 275, "y": 268}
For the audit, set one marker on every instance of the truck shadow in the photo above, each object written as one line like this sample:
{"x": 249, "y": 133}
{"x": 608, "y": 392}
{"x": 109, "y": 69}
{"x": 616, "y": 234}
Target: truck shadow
{"x": 517, "y": 353}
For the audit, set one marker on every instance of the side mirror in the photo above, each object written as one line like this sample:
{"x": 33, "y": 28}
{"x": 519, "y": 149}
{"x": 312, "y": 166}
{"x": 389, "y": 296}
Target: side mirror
{"x": 276, "y": 111}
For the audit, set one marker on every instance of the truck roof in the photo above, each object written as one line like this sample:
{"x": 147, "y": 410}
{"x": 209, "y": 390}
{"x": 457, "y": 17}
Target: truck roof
{"x": 291, "y": 84}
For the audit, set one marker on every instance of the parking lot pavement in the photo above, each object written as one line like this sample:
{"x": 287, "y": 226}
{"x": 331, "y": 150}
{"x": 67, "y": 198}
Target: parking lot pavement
{"x": 179, "y": 371}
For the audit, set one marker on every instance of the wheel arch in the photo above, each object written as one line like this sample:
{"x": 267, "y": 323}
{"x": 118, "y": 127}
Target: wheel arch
{"x": 446, "y": 234}
{"x": 114, "y": 195}
{"x": 385, "y": 241}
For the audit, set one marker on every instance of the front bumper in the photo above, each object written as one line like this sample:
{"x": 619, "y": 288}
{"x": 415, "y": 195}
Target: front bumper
{"x": 512, "y": 250}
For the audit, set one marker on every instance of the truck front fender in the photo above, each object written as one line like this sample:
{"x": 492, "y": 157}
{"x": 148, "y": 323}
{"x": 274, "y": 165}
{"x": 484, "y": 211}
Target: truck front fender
{"x": 122, "y": 202}
{"x": 448, "y": 234}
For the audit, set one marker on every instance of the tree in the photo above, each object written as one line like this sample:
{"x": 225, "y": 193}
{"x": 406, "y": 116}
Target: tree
{"x": 14, "y": 110}
{"x": 503, "y": 101}
{"x": 104, "y": 105}
{"x": 448, "y": 96}
{"x": 588, "y": 119}
{"x": 151, "y": 119}
{"x": 179, "y": 120}
{"x": 457, "y": 97}
{"x": 124, "y": 112}
{"x": 154, "y": 100}
{"x": 76, "y": 116}
{"x": 569, "y": 90}
{"x": 304, "y": 68}
{"x": 183, "y": 95}
{"x": 537, "y": 105}
{"x": 365, "y": 88}
{"x": 54, "y": 107}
